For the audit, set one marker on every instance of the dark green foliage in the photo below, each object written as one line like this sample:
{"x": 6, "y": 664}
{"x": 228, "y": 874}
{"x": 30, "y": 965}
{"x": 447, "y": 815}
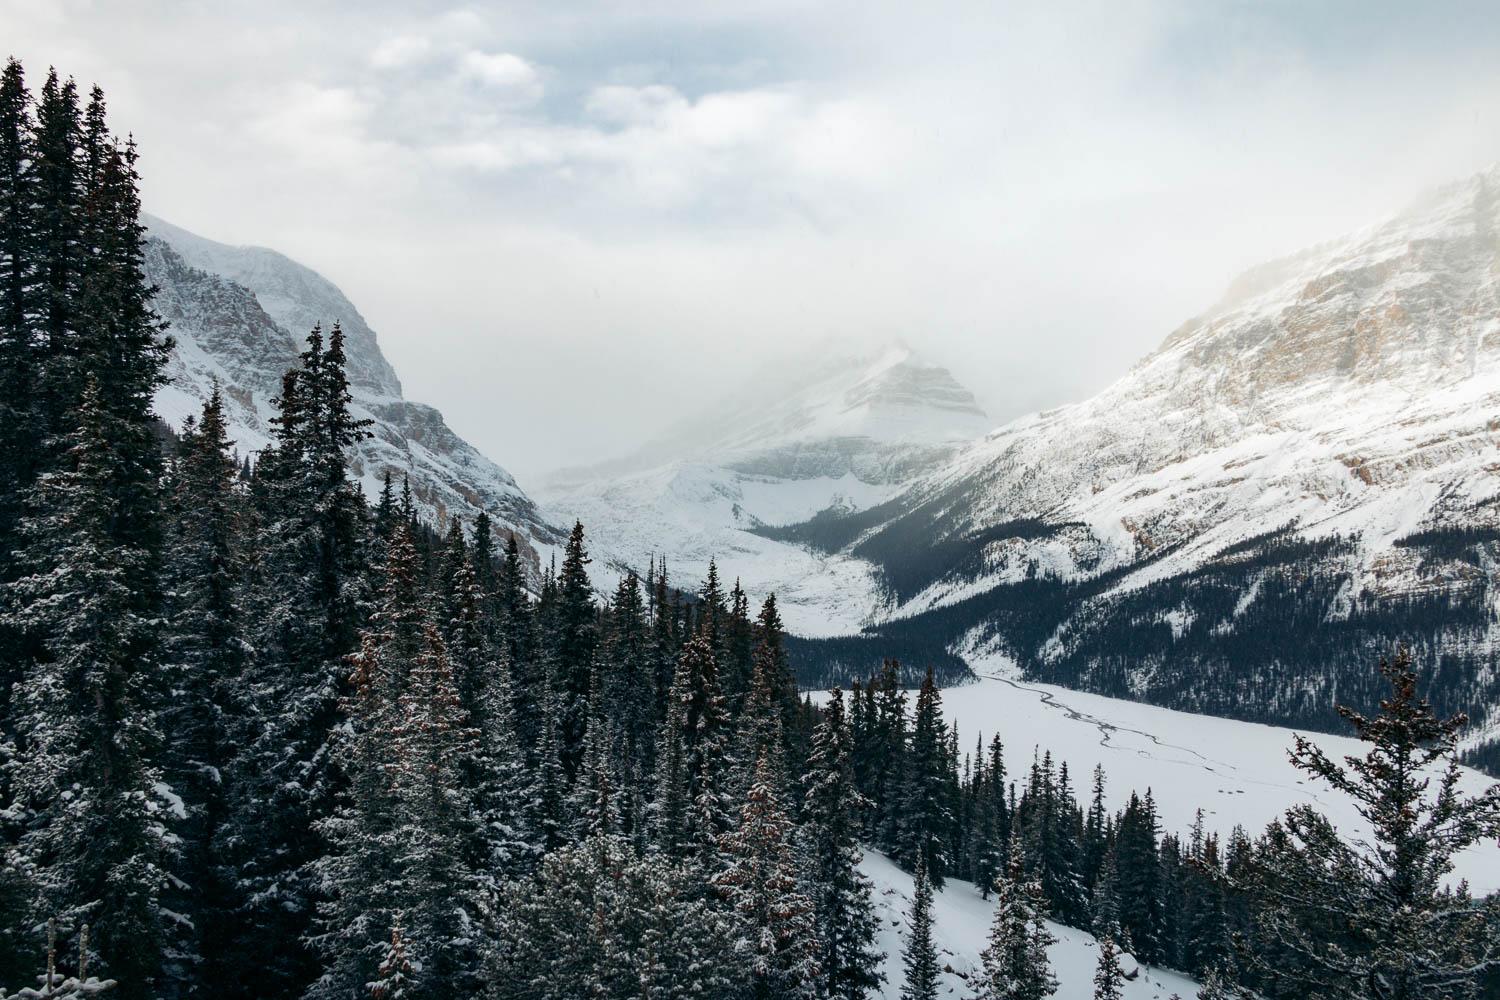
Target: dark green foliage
{"x": 919, "y": 956}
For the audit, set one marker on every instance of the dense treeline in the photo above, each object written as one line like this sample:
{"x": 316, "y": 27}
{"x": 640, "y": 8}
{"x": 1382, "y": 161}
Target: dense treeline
{"x": 268, "y": 739}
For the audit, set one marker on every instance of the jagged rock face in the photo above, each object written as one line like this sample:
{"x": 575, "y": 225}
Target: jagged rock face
{"x": 840, "y": 432}
{"x": 239, "y": 315}
{"x": 1330, "y": 429}
{"x": 295, "y": 297}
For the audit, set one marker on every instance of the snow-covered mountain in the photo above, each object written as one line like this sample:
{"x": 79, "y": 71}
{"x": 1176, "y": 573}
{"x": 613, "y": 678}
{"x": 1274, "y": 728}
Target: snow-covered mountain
{"x": 239, "y": 315}
{"x": 1299, "y": 477}
{"x": 841, "y": 431}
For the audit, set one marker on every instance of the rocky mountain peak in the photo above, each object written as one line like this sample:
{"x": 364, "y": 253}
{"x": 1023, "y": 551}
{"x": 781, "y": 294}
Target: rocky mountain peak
{"x": 294, "y": 296}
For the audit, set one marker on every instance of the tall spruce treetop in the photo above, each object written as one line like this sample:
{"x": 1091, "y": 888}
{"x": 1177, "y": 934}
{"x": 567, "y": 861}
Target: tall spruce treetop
{"x": 575, "y": 643}
{"x": 83, "y": 594}
{"x": 926, "y": 814}
{"x": 19, "y": 303}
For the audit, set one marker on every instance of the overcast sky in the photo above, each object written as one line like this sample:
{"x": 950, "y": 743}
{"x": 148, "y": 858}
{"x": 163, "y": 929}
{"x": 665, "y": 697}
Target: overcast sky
{"x": 571, "y": 223}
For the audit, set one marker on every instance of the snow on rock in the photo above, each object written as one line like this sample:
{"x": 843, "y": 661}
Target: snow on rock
{"x": 238, "y": 315}
{"x": 1351, "y": 389}
{"x": 839, "y": 432}
{"x": 961, "y": 924}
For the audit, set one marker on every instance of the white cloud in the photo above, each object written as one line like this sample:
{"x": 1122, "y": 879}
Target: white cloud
{"x": 503, "y": 72}
{"x": 400, "y": 51}
{"x": 1034, "y": 193}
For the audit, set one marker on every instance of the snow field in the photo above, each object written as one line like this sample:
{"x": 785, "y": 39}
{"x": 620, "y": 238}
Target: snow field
{"x": 960, "y": 929}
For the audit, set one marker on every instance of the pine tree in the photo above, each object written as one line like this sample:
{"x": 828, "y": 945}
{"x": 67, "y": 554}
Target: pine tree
{"x": 919, "y": 957}
{"x": 926, "y": 814}
{"x": 698, "y": 719}
{"x": 1109, "y": 977}
{"x": 574, "y": 646}
{"x": 1337, "y": 920}
{"x": 758, "y": 880}
{"x": 599, "y": 921}
{"x": 1015, "y": 964}
{"x": 19, "y": 304}
{"x": 87, "y": 713}
{"x": 306, "y": 606}
{"x": 206, "y": 658}
{"x": 1105, "y": 905}
{"x": 843, "y": 902}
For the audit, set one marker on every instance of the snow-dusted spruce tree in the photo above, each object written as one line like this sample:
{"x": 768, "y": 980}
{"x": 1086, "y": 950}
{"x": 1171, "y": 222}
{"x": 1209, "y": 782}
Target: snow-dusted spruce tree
{"x": 919, "y": 956}
{"x": 758, "y": 879}
{"x": 1109, "y": 977}
{"x": 205, "y": 657}
{"x": 1105, "y": 905}
{"x": 399, "y": 843}
{"x": 1351, "y": 919}
{"x": 86, "y": 713}
{"x": 305, "y": 605}
{"x": 1014, "y": 966}
{"x": 80, "y": 628}
{"x": 598, "y": 921}
{"x": 357, "y": 871}
{"x": 843, "y": 900}
{"x": 502, "y": 789}
{"x": 926, "y": 816}
{"x": 698, "y": 719}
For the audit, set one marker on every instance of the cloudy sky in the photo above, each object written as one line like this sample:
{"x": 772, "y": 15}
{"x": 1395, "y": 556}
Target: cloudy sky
{"x": 572, "y": 224}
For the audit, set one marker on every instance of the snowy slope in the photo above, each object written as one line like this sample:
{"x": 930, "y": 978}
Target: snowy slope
{"x": 960, "y": 926}
{"x": 239, "y": 316}
{"x": 1351, "y": 388}
{"x": 842, "y": 430}
{"x": 1318, "y": 452}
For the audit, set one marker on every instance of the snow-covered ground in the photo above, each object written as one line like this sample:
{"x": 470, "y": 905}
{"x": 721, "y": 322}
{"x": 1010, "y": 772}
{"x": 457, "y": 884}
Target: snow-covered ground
{"x": 1236, "y": 772}
{"x": 961, "y": 923}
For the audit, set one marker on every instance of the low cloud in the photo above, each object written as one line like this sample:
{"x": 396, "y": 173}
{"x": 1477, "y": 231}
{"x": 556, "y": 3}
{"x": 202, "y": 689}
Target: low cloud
{"x": 649, "y": 196}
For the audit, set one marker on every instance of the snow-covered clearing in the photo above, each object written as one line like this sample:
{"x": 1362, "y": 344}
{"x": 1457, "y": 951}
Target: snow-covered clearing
{"x": 961, "y": 923}
{"x": 1236, "y": 772}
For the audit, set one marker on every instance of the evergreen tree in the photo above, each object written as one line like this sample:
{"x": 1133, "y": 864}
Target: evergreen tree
{"x": 926, "y": 814}
{"x": 96, "y": 811}
{"x": 20, "y": 301}
{"x": 599, "y": 921}
{"x": 758, "y": 880}
{"x": 206, "y": 658}
{"x": 1015, "y": 964}
{"x": 1338, "y": 921}
{"x": 307, "y": 605}
{"x": 698, "y": 719}
{"x": 919, "y": 957}
{"x": 1105, "y": 916}
{"x": 843, "y": 902}
{"x": 573, "y": 645}
{"x": 1109, "y": 977}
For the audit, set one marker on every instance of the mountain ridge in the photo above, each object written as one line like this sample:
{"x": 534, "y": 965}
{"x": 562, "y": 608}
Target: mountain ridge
{"x": 238, "y": 316}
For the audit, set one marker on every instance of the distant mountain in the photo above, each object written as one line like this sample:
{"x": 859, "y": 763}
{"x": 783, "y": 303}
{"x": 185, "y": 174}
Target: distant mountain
{"x": 839, "y": 431}
{"x": 1290, "y": 484}
{"x": 239, "y": 315}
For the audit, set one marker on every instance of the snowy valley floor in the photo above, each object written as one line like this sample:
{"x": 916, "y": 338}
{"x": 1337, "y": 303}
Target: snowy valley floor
{"x": 961, "y": 923}
{"x": 1237, "y": 772}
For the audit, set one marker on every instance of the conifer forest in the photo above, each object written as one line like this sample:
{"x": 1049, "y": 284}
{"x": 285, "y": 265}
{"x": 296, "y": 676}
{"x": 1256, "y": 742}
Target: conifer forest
{"x": 267, "y": 734}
